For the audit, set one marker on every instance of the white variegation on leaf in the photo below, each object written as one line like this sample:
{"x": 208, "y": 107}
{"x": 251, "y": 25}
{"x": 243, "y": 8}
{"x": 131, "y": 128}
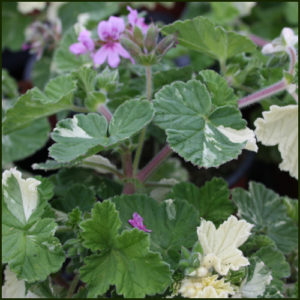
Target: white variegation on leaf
{"x": 13, "y": 287}
{"x": 159, "y": 192}
{"x": 205, "y": 287}
{"x": 98, "y": 163}
{"x": 220, "y": 246}
{"x": 240, "y": 136}
{"x": 279, "y": 126}
{"x": 27, "y": 191}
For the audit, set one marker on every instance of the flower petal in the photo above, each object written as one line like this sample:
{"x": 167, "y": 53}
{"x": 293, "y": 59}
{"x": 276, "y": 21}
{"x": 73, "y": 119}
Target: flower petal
{"x": 78, "y": 49}
{"x": 104, "y": 30}
{"x": 100, "y": 56}
{"x": 289, "y": 37}
{"x": 117, "y": 26}
{"x": 113, "y": 58}
{"x": 85, "y": 39}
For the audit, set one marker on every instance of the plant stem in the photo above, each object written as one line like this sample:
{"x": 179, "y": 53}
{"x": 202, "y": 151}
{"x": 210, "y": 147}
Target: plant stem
{"x": 291, "y": 51}
{"x": 154, "y": 163}
{"x": 139, "y": 149}
{"x": 105, "y": 112}
{"x": 222, "y": 67}
{"x": 79, "y": 109}
{"x": 258, "y": 40}
{"x": 264, "y": 93}
{"x": 128, "y": 172}
{"x": 73, "y": 286}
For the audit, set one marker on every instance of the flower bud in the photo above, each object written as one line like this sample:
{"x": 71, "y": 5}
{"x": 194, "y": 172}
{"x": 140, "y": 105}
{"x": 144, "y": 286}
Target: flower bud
{"x": 166, "y": 44}
{"x": 133, "y": 49}
{"x": 151, "y": 38}
{"x": 138, "y": 36}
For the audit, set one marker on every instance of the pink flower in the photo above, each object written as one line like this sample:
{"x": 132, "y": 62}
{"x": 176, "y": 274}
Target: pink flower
{"x": 134, "y": 20}
{"x": 137, "y": 222}
{"x": 109, "y": 33}
{"x": 85, "y": 45}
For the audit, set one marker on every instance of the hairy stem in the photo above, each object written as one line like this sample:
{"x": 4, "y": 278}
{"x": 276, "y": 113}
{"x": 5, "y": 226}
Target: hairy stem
{"x": 128, "y": 172}
{"x": 79, "y": 109}
{"x": 154, "y": 163}
{"x": 105, "y": 112}
{"x": 262, "y": 94}
{"x": 73, "y": 286}
{"x": 143, "y": 132}
{"x": 291, "y": 51}
{"x": 258, "y": 40}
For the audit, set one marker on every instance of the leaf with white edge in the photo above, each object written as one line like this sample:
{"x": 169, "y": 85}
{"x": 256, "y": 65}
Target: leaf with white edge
{"x": 259, "y": 276}
{"x": 85, "y": 135}
{"x": 279, "y": 126}
{"x": 98, "y": 163}
{"x": 65, "y": 61}
{"x": 201, "y": 35}
{"x": 28, "y": 242}
{"x": 220, "y": 246}
{"x": 35, "y": 104}
{"x": 275, "y": 261}
{"x": 49, "y": 165}
{"x": 191, "y": 122}
{"x": 172, "y": 223}
{"x": 126, "y": 262}
{"x": 221, "y": 93}
{"x": 211, "y": 200}
{"x": 265, "y": 209}
{"x": 25, "y": 142}
{"x": 14, "y": 288}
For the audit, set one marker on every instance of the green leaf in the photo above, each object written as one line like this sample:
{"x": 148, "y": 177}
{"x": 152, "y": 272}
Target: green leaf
{"x": 85, "y": 135}
{"x": 257, "y": 279}
{"x": 255, "y": 242}
{"x": 275, "y": 261}
{"x": 77, "y": 195}
{"x": 35, "y": 104}
{"x": 221, "y": 93}
{"x": 223, "y": 12}
{"x": 201, "y": 35}
{"x": 126, "y": 262}
{"x": 292, "y": 208}
{"x": 108, "y": 79}
{"x": 173, "y": 223}
{"x": 9, "y": 85}
{"x": 65, "y": 61}
{"x": 211, "y": 200}
{"x": 13, "y": 26}
{"x": 191, "y": 121}
{"x": 41, "y": 72}
{"x": 28, "y": 242}
{"x": 25, "y": 142}
{"x": 265, "y": 209}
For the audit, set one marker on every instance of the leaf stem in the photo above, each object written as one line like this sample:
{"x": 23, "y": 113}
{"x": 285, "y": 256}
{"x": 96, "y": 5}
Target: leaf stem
{"x": 154, "y": 163}
{"x": 128, "y": 172}
{"x": 103, "y": 109}
{"x": 79, "y": 109}
{"x": 258, "y": 40}
{"x": 222, "y": 67}
{"x": 262, "y": 94}
{"x": 73, "y": 286}
{"x": 142, "y": 135}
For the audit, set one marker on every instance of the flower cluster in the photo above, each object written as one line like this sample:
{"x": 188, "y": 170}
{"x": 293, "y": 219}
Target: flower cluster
{"x": 109, "y": 34}
{"x": 219, "y": 254}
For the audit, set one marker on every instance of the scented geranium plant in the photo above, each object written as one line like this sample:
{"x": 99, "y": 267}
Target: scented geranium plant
{"x": 109, "y": 217}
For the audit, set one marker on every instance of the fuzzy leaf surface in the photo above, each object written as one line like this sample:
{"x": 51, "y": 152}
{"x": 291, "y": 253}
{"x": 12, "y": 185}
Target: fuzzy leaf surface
{"x": 190, "y": 119}
{"x": 125, "y": 260}
{"x": 266, "y": 210}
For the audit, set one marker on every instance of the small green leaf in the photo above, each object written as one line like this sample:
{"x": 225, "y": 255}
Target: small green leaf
{"x": 186, "y": 112}
{"x": 35, "y": 104}
{"x": 85, "y": 135}
{"x": 201, "y": 35}
{"x": 265, "y": 209}
{"x": 221, "y": 93}
{"x": 25, "y": 142}
{"x": 86, "y": 78}
{"x": 9, "y": 86}
{"x": 126, "y": 262}
{"x": 211, "y": 200}
{"x": 168, "y": 234}
{"x": 108, "y": 79}
{"x": 255, "y": 242}
{"x": 28, "y": 242}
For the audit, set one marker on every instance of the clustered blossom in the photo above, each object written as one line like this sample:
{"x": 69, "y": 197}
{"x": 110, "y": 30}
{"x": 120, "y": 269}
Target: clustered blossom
{"x": 109, "y": 33}
{"x": 287, "y": 39}
{"x": 220, "y": 254}
{"x": 137, "y": 222}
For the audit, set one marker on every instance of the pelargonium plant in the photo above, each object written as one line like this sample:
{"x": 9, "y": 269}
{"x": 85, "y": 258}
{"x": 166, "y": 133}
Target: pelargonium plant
{"x": 104, "y": 218}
